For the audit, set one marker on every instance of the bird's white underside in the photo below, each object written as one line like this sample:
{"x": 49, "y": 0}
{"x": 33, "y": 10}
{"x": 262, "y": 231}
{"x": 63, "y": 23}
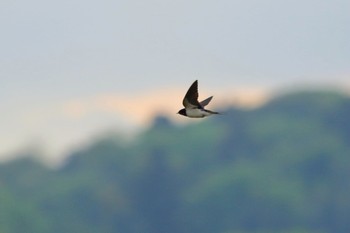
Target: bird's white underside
{"x": 197, "y": 113}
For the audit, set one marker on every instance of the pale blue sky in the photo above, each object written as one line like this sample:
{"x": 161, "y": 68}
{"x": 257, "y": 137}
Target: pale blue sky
{"x": 54, "y": 52}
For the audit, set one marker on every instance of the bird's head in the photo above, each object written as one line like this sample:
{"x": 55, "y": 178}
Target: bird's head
{"x": 182, "y": 112}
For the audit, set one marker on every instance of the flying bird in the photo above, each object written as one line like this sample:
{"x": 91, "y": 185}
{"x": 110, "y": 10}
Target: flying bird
{"x": 193, "y": 108}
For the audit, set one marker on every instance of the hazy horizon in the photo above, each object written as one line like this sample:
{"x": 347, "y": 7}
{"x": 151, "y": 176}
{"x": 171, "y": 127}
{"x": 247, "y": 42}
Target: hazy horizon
{"x": 73, "y": 69}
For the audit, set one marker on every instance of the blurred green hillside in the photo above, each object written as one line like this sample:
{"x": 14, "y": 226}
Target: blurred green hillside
{"x": 284, "y": 167}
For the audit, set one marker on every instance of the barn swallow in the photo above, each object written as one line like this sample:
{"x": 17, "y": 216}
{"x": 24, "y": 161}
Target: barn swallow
{"x": 193, "y": 108}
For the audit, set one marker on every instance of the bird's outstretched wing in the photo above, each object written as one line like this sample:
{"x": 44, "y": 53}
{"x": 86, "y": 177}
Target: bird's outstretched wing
{"x": 206, "y": 101}
{"x": 191, "y": 98}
